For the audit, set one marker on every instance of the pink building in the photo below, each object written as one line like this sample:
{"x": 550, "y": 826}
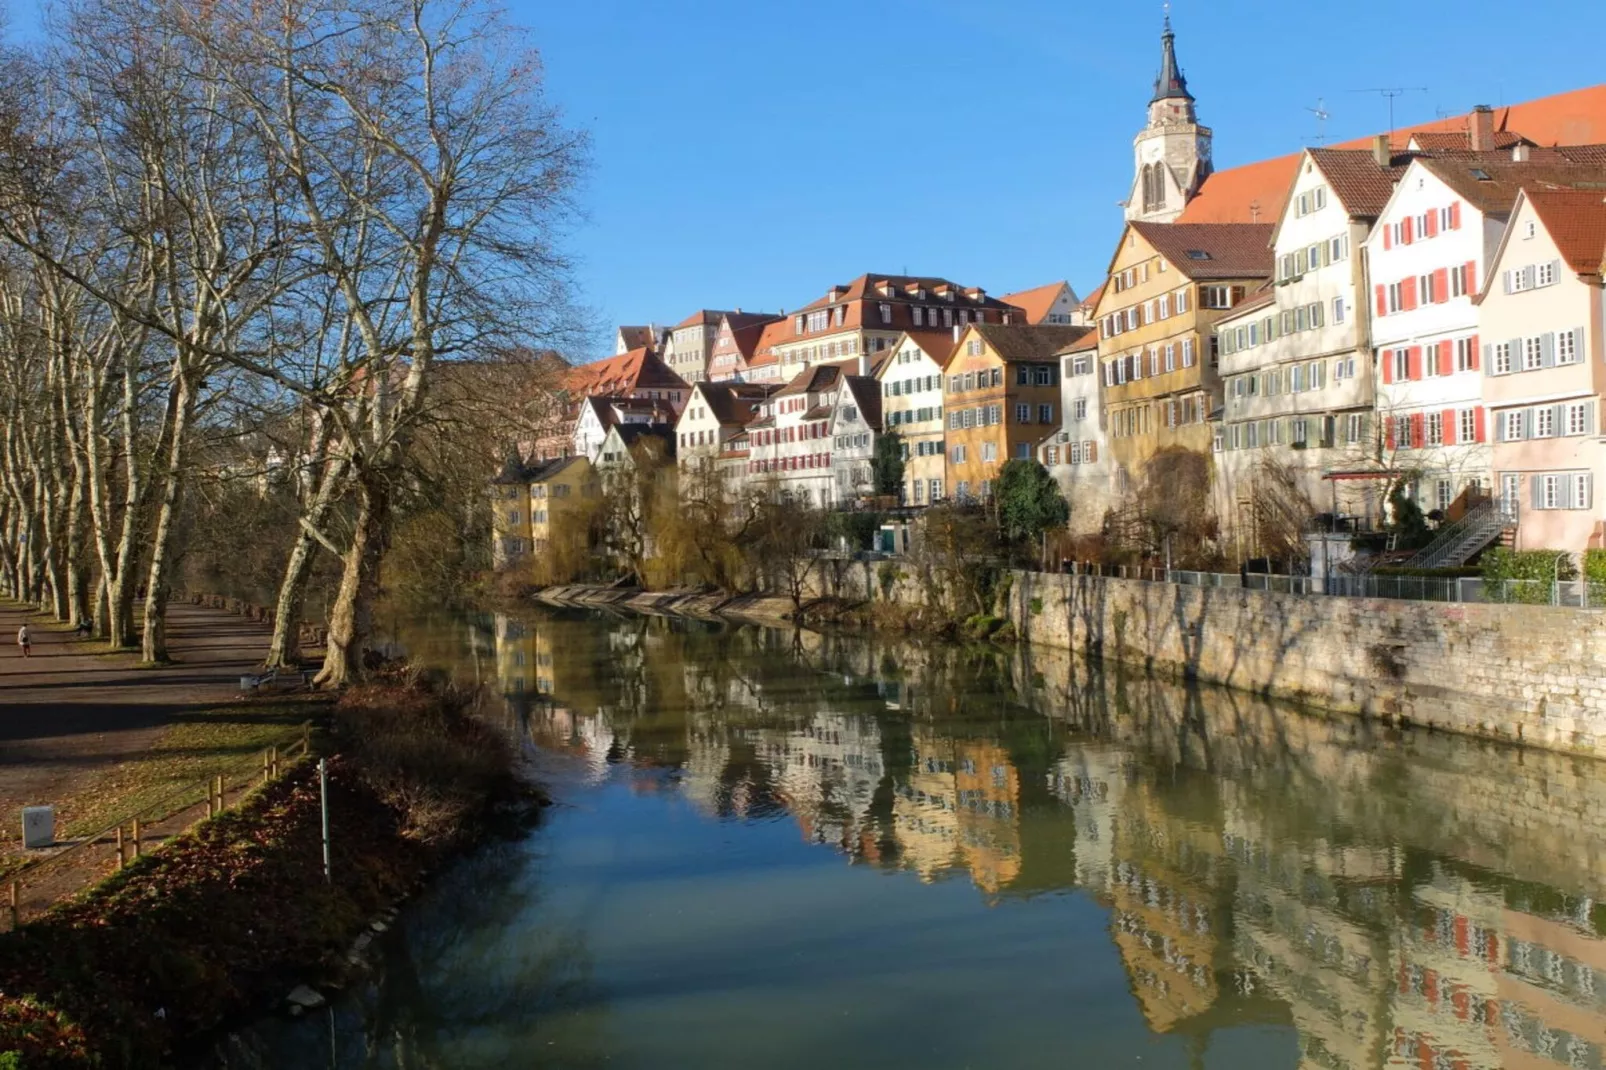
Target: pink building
{"x": 1540, "y": 322}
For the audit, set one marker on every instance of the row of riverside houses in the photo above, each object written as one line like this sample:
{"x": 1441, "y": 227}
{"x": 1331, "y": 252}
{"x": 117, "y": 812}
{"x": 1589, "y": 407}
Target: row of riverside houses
{"x": 1422, "y": 309}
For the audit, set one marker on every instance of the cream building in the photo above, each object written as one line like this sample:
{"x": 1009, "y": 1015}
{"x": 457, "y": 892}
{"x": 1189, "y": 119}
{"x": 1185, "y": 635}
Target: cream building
{"x": 1077, "y": 453}
{"x": 715, "y": 414}
{"x": 856, "y": 422}
{"x": 1545, "y": 367}
{"x": 911, "y": 408}
{"x": 790, "y": 442}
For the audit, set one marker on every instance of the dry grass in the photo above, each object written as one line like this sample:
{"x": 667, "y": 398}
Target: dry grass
{"x": 416, "y": 742}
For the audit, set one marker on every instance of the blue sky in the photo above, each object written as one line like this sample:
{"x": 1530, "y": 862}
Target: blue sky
{"x": 750, "y": 154}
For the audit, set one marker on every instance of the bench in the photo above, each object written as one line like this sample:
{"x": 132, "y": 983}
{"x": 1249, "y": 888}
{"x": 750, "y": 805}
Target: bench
{"x": 274, "y": 678}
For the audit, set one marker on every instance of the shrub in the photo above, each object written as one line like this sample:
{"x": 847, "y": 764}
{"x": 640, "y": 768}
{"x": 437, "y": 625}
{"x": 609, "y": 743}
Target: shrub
{"x": 1524, "y": 576}
{"x": 417, "y": 745}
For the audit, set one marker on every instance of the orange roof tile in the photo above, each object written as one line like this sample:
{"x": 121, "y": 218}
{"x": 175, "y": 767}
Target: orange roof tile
{"x": 1038, "y": 302}
{"x": 1257, "y": 192}
{"x": 636, "y": 370}
{"x": 1576, "y": 222}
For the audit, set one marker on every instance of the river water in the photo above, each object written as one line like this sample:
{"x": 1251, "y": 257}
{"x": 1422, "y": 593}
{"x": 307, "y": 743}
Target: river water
{"x": 792, "y": 850}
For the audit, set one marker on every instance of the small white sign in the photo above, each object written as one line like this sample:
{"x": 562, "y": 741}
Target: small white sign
{"x": 38, "y": 826}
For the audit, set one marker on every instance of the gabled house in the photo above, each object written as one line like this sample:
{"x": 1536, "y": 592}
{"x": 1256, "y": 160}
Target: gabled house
{"x": 717, "y": 413}
{"x": 691, "y": 344}
{"x": 556, "y": 487}
{"x": 912, "y": 408}
{"x": 598, "y": 415}
{"x": 790, "y": 443}
{"x": 1427, "y": 254}
{"x": 1296, "y": 356}
{"x": 1076, "y": 453}
{"x": 1001, "y": 392}
{"x": 735, "y": 343}
{"x": 1540, "y": 320}
{"x": 856, "y": 421}
{"x": 1168, "y": 285}
{"x": 650, "y": 337}
{"x": 1054, "y": 305}
{"x": 639, "y": 374}
{"x": 862, "y": 319}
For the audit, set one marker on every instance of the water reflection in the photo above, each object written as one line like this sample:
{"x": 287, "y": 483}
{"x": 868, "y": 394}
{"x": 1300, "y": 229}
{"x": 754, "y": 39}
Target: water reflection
{"x": 1275, "y": 889}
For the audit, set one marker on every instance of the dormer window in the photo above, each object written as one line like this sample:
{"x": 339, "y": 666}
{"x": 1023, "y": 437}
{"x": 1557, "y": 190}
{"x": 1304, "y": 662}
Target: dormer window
{"x": 1198, "y": 254}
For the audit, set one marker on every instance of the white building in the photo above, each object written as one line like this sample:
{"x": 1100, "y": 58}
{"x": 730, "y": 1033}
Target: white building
{"x": 715, "y": 414}
{"x": 856, "y": 422}
{"x": 1427, "y": 256}
{"x": 1055, "y": 305}
{"x": 911, "y": 408}
{"x": 1296, "y": 359}
{"x": 1076, "y": 454}
{"x": 791, "y": 442}
{"x": 599, "y": 415}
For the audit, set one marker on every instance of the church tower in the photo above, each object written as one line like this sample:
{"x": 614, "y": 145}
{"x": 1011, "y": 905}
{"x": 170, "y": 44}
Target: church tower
{"x": 1173, "y": 152}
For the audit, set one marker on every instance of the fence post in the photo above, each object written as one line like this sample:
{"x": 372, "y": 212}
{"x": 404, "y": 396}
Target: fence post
{"x": 273, "y": 760}
{"x": 16, "y": 912}
{"x": 136, "y": 837}
{"x": 219, "y": 790}
{"x": 121, "y": 860}
{"x": 265, "y": 775}
{"x": 323, "y": 800}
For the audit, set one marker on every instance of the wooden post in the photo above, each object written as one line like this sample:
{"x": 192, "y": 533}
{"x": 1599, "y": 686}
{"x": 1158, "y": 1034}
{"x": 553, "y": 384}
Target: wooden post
{"x": 306, "y": 738}
{"x": 121, "y": 858}
{"x": 265, "y": 775}
{"x": 273, "y": 759}
{"x": 16, "y": 913}
{"x": 136, "y": 837}
{"x": 219, "y": 792}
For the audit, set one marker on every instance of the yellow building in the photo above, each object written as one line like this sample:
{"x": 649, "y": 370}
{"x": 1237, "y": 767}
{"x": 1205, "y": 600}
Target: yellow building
{"x": 1169, "y": 283}
{"x": 1001, "y": 396}
{"x": 510, "y": 514}
{"x": 555, "y": 487}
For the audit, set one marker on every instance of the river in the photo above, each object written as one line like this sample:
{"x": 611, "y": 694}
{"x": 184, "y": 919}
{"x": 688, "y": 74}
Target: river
{"x": 797, "y": 850}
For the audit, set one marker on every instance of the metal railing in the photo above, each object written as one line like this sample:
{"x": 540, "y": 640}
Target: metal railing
{"x": 1577, "y": 594}
{"x": 40, "y": 884}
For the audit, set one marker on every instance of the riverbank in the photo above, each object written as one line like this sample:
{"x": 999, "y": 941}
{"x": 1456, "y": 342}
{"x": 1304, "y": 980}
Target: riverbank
{"x": 1507, "y": 673}
{"x": 228, "y": 918}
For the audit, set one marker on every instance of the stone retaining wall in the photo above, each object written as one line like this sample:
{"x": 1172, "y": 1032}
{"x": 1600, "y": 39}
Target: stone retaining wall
{"x": 1526, "y": 673}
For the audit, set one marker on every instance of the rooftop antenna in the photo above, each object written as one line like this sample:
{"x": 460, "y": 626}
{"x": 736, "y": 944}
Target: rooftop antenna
{"x": 1254, "y": 211}
{"x": 1322, "y": 115}
{"x": 1391, "y": 93}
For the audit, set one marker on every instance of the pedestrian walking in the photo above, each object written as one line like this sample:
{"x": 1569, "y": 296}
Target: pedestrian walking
{"x": 25, "y": 641}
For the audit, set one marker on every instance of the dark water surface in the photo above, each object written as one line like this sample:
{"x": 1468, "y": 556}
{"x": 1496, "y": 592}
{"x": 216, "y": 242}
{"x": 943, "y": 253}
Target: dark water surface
{"x": 805, "y": 851}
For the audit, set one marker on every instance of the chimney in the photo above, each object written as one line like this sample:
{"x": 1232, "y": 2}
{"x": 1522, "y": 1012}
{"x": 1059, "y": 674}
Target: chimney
{"x": 957, "y": 329}
{"x": 1381, "y": 151}
{"x": 1482, "y": 128}
{"x": 1520, "y": 153}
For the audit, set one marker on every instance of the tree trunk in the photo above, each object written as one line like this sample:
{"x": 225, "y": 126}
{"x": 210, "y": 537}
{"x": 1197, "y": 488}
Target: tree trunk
{"x": 153, "y": 643}
{"x": 351, "y": 623}
{"x": 285, "y": 648}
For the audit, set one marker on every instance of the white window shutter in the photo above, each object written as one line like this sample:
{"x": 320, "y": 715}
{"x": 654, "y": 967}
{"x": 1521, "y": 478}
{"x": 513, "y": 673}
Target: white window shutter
{"x": 1528, "y": 277}
{"x": 1589, "y": 492}
{"x": 1536, "y": 491}
{"x": 1555, "y": 271}
{"x": 1505, "y": 280}
{"x": 1547, "y": 349}
{"x": 1488, "y": 359}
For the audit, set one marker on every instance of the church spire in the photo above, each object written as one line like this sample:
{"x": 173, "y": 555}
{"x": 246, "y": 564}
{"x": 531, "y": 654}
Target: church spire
{"x": 1171, "y": 85}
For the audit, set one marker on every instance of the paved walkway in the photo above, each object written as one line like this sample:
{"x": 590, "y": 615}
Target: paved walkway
{"x": 68, "y": 714}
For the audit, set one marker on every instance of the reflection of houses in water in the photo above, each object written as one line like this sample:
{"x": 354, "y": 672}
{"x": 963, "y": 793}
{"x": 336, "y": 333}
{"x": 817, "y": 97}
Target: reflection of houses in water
{"x": 1091, "y": 780}
{"x": 826, "y": 773}
{"x": 1484, "y": 985}
{"x": 960, "y": 808}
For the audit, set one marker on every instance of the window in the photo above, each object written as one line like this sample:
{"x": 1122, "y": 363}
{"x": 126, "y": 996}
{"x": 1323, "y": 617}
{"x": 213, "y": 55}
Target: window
{"x": 1023, "y": 414}
{"x": 1043, "y": 375}
{"x": 1182, "y": 302}
{"x": 973, "y": 347}
{"x": 1299, "y": 430}
{"x": 1081, "y": 365}
{"x": 1187, "y": 353}
{"x": 1023, "y": 451}
{"x": 1424, "y": 290}
{"x": 997, "y": 378}
{"x": 1215, "y": 296}
{"x": 1544, "y": 422}
{"x": 1395, "y": 297}
{"x": 989, "y": 451}
{"x": 1402, "y": 364}
{"x": 1297, "y": 383}
{"x": 1045, "y": 414}
{"x": 1459, "y": 283}
{"x": 1577, "y": 418}
{"x": 1435, "y": 429}
{"x": 886, "y": 313}
{"x": 1545, "y": 274}
{"x": 1468, "y": 420}
{"x": 1529, "y": 230}
{"x": 1401, "y": 426}
{"x": 1533, "y": 353}
{"x": 919, "y": 316}
{"x": 1354, "y": 428}
{"x": 1511, "y": 424}
{"x": 1338, "y": 248}
{"x": 1502, "y": 359}
{"x": 959, "y": 455}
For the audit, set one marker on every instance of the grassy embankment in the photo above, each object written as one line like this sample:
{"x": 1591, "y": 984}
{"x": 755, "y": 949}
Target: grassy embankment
{"x": 233, "y": 914}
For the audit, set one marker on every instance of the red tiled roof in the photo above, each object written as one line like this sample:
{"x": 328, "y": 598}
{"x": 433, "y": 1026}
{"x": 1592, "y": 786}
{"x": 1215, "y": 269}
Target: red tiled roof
{"x": 867, "y": 393}
{"x": 1212, "y": 250}
{"x": 1360, "y": 185}
{"x": 1257, "y": 192}
{"x": 1085, "y": 344}
{"x": 1576, "y": 222}
{"x": 1037, "y": 303}
{"x": 639, "y": 369}
{"x": 1431, "y": 141}
{"x": 1490, "y": 181}
{"x": 735, "y": 403}
{"x": 1037, "y": 342}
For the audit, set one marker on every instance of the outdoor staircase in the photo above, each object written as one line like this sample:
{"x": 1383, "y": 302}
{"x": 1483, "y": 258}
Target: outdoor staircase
{"x": 1457, "y": 543}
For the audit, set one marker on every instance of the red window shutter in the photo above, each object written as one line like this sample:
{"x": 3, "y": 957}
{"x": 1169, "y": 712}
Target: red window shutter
{"x": 1091, "y": 454}
{"x": 1473, "y": 342}
{"x": 1446, "y": 357}
{"x": 1385, "y": 357}
{"x": 1382, "y": 300}
{"x": 1452, "y": 428}
{"x": 1405, "y": 231}
{"x": 1413, "y": 363}
{"x": 1388, "y": 236}
{"x": 1472, "y": 278}
{"x": 1408, "y": 293}
{"x": 1388, "y": 432}
{"x": 1455, "y": 216}
{"x": 1419, "y": 421}
{"x": 1477, "y": 418}
{"x": 1441, "y": 286}
{"x": 1433, "y": 224}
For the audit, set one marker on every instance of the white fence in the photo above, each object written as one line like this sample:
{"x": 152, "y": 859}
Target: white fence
{"x": 1578, "y": 594}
